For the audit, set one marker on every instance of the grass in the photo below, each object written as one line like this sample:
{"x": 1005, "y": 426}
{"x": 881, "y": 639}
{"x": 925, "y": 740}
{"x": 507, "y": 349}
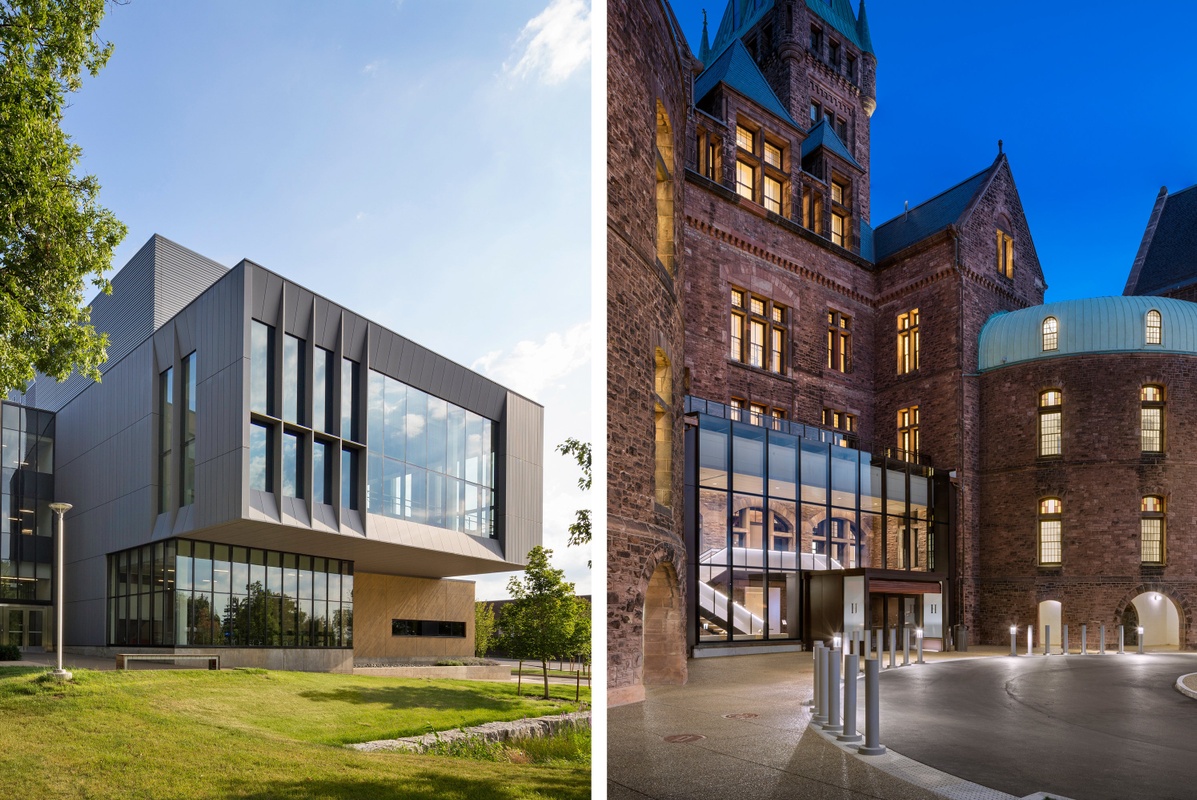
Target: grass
{"x": 258, "y": 734}
{"x": 553, "y": 673}
{"x": 566, "y": 747}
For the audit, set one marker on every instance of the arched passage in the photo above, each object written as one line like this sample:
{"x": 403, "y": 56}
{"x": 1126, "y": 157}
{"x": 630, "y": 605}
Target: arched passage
{"x": 1051, "y": 612}
{"x": 664, "y": 628}
{"x": 1160, "y": 619}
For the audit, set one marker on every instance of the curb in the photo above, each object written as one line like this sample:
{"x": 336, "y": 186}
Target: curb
{"x": 1185, "y": 690}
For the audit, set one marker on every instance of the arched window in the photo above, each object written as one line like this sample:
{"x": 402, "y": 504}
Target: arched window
{"x": 1151, "y": 418}
{"x": 665, "y": 169}
{"x": 1051, "y": 423}
{"x": 1051, "y": 542}
{"x": 663, "y": 420}
{"x": 1051, "y": 329}
{"x": 1151, "y": 530}
{"x": 1155, "y": 328}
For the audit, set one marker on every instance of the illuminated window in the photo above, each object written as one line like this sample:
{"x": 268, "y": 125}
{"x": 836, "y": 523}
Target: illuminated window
{"x": 908, "y": 431}
{"x": 737, "y": 409}
{"x": 1051, "y": 544}
{"x": 908, "y": 341}
{"x": 779, "y": 417}
{"x": 839, "y": 229}
{"x": 1151, "y": 530}
{"x": 772, "y": 155}
{"x": 841, "y": 421}
{"x": 757, "y": 413}
{"x": 1154, "y": 327}
{"x": 665, "y": 170}
{"x": 812, "y": 210}
{"x": 1051, "y": 330}
{"x": 1005, "y": 257}
{"x": 745, "y": 139}
{"x": 1151, "y": 416}
{"x": 1050, "y": 423}
{"x": 773, "y": 194}
{"x": 663, "y": 389}
{"x": 745, "y": 180}
{"x": 839, "y": 193}
{"x": 757, "y": 331}
{"x": 839, "y": 341}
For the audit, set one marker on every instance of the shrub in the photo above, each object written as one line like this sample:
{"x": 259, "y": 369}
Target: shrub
{"x": 450, "y": 662}
{"x": 10, "y": 652}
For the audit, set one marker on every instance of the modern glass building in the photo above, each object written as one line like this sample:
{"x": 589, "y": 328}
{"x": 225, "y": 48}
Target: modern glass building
{"x": 794, "y": 535}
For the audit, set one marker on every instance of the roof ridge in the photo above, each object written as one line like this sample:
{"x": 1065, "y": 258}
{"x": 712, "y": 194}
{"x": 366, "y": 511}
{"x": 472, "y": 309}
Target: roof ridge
{"x": 951, "y": 188}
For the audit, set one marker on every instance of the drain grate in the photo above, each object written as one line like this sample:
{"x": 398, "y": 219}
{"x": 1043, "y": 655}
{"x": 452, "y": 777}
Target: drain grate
{"x": 744, "y": 715}
{"x": 684, "y": 738}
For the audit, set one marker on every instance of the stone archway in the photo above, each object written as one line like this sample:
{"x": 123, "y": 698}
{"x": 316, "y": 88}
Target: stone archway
{"x": 1160, "y": 612}
{"x": 664, "y": 628}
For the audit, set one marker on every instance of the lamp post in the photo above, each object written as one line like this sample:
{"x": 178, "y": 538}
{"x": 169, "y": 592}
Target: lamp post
{"x": 61, "y": 674}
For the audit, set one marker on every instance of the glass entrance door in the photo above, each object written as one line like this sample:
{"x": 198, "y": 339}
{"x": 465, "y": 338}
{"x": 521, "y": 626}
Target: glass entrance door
{"x": 23, "y": 627}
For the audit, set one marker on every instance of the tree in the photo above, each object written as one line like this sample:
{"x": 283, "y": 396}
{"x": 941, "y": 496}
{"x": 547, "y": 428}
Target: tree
{"x": 53, "y": 232}
{"x": 579, "y": 644}
{"x": 484, "y": 628}
{"x": 540, "y": 620}
{"x": 579, "y": 532}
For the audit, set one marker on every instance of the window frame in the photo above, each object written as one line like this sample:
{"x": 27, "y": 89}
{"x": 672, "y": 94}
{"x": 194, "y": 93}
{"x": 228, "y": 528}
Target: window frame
{"x": 1157, "y": 405}
{"x": 1045, "y": 517}
{"x": 1157, "y": 514}
{"x": 1005, "y": 253}
{"x": 908, "y": 342}
{"x": 908, "y": 431}
{"x": 1156, "y": 338}
{"x": 1046, "y": 409}
{"x": 839, "y": 341}
{"x": 770, "y": 321}
{"x": 1054, "y": 333}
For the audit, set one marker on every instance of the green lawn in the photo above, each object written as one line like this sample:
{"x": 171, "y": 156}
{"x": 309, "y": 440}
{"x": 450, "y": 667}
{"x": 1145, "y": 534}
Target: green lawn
{"x": 257, "y": 734}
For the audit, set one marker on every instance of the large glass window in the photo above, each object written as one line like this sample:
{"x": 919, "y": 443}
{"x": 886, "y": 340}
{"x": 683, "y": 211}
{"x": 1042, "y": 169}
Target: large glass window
{"x": 1051, "y": 333}
{"x": 261, "y": 457}
{"x": 1155, "y": 328}
{"x": 1151, "y": 530}
{"x": 166, "y": 436}
{"x": 322, "y": 390}
{"x": 292, "y": 464}
{"x": 294, "y": 378}
{"x": 187, "y": 476}
{"x": 349, "y": 484}
{"x": 26, "y": 522}
{"x": 261, "y": 375}
{"x": 350, "y": 399}
{"x": 1051, "y": 547}
{"x": 908, "y": 341}
{"x": 1051, "y": 439}
{"x": 323, "y": 462}
{"x": 1151, "y": 418}
{"x": 764, "y": 321}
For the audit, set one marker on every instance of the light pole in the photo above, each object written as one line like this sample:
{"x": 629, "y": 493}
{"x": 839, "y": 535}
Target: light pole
{"x": 61, "y": 674}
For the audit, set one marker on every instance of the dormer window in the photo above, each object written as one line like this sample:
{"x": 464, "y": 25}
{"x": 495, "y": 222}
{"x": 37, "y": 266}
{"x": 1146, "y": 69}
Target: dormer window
{"x": 833, "y": 55}
{"x": 839, "y": 193}
{"x": 1051, "y": 331}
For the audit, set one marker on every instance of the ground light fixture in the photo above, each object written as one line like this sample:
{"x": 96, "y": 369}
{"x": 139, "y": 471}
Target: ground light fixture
{"x": 836, "y": 641}
{"x": 61, "y": 674}
{"x": 918, "y": 636}
{"x": 1014, "y": 640}
{"x": 1140, "y": 632}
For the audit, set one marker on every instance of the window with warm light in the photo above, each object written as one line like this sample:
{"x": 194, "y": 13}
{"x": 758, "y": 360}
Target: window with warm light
{"x": 737, "y": 409}
{"x": 1155, "y": 328}
{"x": 1151, "y": 419}
{"x": 1005, "y": 255}
{"x": 663, "y": 416}
{"x": 1051, "y": 438}
{"x": 908, "y": 341}
{"x": 1151, "y": 530}
{"x": 841, "y": 421}
{"x": 1051, "y": 331}
{"x": 839, "y": 229}
{"x": 757, "y": 331}
{"x": 665, "y": 170}
{"x": 1051, "y": 542}
{"x": 710, "y": 155}
{"x": 908, "y": 431}
{"x": 839, "y": 341}
{"x": 745, "y": 180}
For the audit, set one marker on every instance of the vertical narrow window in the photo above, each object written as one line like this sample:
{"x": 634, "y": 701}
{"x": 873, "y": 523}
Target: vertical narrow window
{"x": 839, "y": 228}
{"x": 294, "y": 378}
{"x": 1005, "y": 255}
{"x": 1051, "y": 543}
{"x": 322, "y": 390}
{"x": 745, "y": 139}
{"x": 745, "y": 180}
{"x": 772, "y": 155}
{"x": 292, "y": 465}
{"x": 816, "y": 111}
{"x": 261, "y": 457}
{"x": 776, "y": 349}
{"x": 757, "y": 413}
{"x": 816, "y": 41}
{"x": 322, "y": 472}
{"x": 663, "y": 415}
{"x": 1051, "y": 332}
{"x": 773, "y": 194}
{"x": 665, "y": 170}
{"x": 261, "y": 380}
{"x": 1154, "y": 328}
{"x": 187, "y": 476}
{"x": 350, "y": 399}
{"x": 908, "y": 341}
{"x": 1151, "y": 530}
{"x": 737, "y": 325}
{"x": 349, "y": 492}
{"x": 778, "y": 415}
{"x": 839, "y": 341}
{"x": 757, "y": 331}
{"x": 908, "y": 431}
{"x": 833, "y": 55}
{"x": 1152, "y": 418}
{"x": 737, "y": 409}
{"x": 851, "y": 69}
{"x": 756, "y": 343}
{"x": 166, "y": 434}
{"x": 1051, "y": 440}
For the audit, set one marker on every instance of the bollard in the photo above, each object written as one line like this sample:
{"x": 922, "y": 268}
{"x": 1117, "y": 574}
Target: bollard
{"x": 872, "y": 745}
{"x": 1014, "y": 640}
{"x": 893, "y": 647}
{"x": 814, "y": 698}
{"x": 1102, "y": 646}
{"x": 1030, "y": 635}
{"x": 1047, "y": 640}
{"x": 906, "y": 647}
{"x": 850, "y": 670}
{"x": 879, "y": 641}
{"x": 833, "y": 696}
{"x": 824, "y": 666}
{"x": 1141, "y": 637}
{"x": 1064, "y": 648}
{"x": 1121, "y": 641}
{"x": 919, "y": 638}
{"x": 1084, "y": 640}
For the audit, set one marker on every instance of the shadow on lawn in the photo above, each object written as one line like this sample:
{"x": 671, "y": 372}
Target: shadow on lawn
{"x": 425, "y": 785}
{"x": 441, "y": 698}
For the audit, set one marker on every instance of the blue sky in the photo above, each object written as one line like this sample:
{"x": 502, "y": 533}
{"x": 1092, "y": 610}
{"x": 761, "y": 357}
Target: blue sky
{"x": 423, "y": 163}
{"x": 1094, "y": 104}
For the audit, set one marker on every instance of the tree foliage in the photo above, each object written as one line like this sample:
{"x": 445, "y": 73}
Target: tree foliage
{"x": 484, "y": 628}
{"x": 579, "y": 531}
{"x": 53, "y": 232}
{"x": 541, "y": 620}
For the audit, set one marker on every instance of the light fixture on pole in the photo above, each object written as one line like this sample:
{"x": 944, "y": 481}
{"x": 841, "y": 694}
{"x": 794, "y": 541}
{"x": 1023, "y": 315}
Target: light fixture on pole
{"x": 59, "y": 510}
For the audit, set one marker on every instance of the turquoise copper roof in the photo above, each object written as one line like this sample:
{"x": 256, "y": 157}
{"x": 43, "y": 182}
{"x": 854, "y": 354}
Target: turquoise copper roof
{"x": 929, "y": 217}
{"x": 1093, "y": 325}
{"x": 741, "y": 15}
{"x": 736, "y": 68}
{"x": 822, "y": 135}
{"x": 838, "y": 14}
{"x": 738, "y": 19}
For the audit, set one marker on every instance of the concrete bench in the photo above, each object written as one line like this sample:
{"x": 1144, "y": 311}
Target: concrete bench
{"x": 123, "y": 659}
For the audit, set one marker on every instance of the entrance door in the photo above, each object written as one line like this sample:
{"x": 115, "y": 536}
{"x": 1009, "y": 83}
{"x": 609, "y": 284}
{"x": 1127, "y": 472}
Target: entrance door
{"x": 16, "y": 627}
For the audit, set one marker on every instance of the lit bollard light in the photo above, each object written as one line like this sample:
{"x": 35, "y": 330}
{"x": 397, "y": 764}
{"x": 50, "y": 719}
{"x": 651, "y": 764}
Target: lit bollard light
{"x": 833, "y": 697}
{"x": 1102, "y": 646}
{"x": 1064, "y": 647}
{"x": 851, "y": 667}
{"x": 893, "y": 647}
{"x": 1121, "y": 640}
{"x": 1047, "y": 640}
{"x": 1030, "y": 638}
{"x": 918, "y": 636}
{"x": 824, "y": 684}
{"x": 1140, "y": 631}
{"x": 1014, "y": 640}
{"x": 1084, "y": 640}
{"x": 906, "y": 647}
{"x": 872, "y": 745}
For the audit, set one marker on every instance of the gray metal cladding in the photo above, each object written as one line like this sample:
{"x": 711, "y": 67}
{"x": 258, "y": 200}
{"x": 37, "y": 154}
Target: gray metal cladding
{"x": 519, "y": 507}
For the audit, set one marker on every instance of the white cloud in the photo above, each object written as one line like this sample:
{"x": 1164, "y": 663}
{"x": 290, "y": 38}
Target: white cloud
{"x": 555, "y": 43}
{"x": 372, "y": 67}
{"x": 531, "y": 368}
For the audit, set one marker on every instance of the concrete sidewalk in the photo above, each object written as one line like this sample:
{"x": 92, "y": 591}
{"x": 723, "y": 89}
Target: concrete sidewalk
{"x": 751, "y": 712}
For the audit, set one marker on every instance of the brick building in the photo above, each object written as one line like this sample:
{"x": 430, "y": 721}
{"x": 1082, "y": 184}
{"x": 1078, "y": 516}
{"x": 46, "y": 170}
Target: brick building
{"x": 838, "y": 458}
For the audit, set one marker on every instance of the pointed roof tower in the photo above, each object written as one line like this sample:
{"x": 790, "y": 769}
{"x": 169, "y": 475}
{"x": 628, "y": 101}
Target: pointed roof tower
{"x": 736, "y": 68}
{"x": 704, "y": 51}
{"x": 862, "y": 30}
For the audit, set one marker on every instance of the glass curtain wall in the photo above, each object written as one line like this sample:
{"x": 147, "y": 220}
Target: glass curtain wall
{"x": 183, "y": 592}
{"x": 26, "y": 491}
{"x": 776, "y": 499}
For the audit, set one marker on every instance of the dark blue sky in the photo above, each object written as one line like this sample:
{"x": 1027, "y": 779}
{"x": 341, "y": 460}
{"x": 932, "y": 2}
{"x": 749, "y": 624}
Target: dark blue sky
{"x": 1096, "y": 109}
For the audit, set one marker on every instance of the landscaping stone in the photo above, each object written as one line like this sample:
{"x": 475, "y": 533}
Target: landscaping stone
{"x": 490, "y": 732}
